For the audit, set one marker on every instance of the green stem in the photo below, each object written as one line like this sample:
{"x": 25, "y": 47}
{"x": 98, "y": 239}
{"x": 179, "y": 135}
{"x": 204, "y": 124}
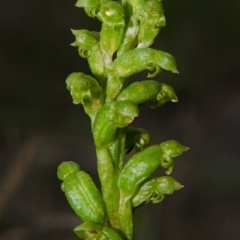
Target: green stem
{"x": 110, "y": 162}
{"x": 117, "y": 151}
{"x": 124, "y": 210}
{"x": 125, "y": 216}
{"x": 108, "y": 181}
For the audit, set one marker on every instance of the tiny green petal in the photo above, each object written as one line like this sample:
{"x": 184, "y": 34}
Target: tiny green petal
{"x": 137, "y": 138}
{"x": 173, "y": 148}
{"x": 166, "y": 61}
{"x": 167, "y": 185}
{"x": 67, "y": 168}
{"x": 167, "y": 93}
{"x": 89, "y": 47}
{"x": 84, "y": 39}
{"x": 154, "y": 190}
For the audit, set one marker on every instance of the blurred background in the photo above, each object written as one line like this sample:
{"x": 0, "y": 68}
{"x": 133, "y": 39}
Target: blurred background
{"x": 40, "y": 127}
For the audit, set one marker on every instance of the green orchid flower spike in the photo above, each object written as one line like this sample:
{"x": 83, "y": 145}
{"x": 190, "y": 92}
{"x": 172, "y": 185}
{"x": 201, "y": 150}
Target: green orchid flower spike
{"x": 120, "y": 50}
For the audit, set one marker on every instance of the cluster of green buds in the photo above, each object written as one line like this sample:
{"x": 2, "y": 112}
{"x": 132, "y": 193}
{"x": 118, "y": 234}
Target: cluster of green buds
{"x": 120, "y": 50}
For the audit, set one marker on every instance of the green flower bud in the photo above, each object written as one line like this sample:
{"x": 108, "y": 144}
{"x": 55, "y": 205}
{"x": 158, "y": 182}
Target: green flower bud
{"x": 138, "y": 60}
{"x": 110, "y": 117}
{"x": 141, "y": 92}
{"x": 151, "y": 20}
{"x": 84, "y": 41}
{"x": 89, "y": 47}
{"x": 111, "y": 14}
{"x": 137, "y": 138}
{"x": 166, "y": 94}
{"x": 143, "y": 164}
{"x": 85, "y": 90}
{"x": 135, "y": 61}
{"x": 154, "y": 191}
{"x": 138, "y": 168}
{"x": 148, "y": 91}
{"x": 165, "y": 61}
{"x": 173, "y": 148}
{"x": 82, "y": 194}
{"x": 66, "y": 169}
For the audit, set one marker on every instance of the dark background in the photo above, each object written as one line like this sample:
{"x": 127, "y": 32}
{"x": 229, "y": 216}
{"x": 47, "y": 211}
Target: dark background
{"x": 40, "y": 127}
